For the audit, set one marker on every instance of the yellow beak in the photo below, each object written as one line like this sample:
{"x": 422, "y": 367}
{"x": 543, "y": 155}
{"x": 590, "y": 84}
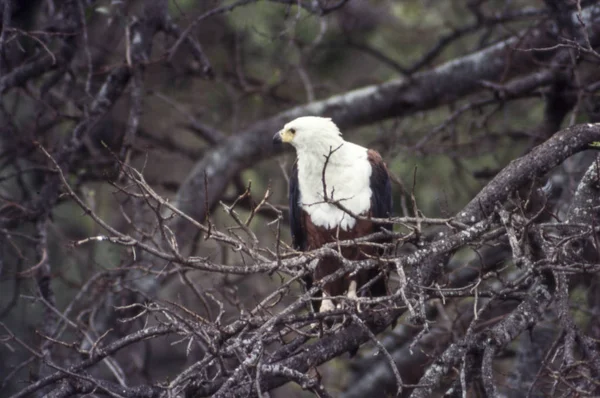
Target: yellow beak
{"x": 283, "y": 136}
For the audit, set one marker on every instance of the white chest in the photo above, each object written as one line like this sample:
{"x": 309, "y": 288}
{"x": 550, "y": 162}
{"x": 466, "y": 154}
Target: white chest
{"x": 347, "y": 180}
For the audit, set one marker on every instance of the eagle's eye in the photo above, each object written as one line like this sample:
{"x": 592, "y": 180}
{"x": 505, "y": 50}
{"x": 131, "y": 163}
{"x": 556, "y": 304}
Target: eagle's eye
{"x": 293, "y": 131}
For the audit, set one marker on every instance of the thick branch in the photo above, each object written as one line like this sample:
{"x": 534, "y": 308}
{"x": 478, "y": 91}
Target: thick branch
{"x": 444, "y": 84}
{"x": 535, "y": 164}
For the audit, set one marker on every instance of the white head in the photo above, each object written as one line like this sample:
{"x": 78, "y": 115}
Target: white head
{"x": 310, "y": 133}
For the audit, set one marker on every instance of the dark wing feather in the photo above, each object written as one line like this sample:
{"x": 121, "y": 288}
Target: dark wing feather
{"x": 381, "y": 207}
{"x": 296, "y": 216}
{"x": 381, "y": 188}
{"x": 298, "y": 227}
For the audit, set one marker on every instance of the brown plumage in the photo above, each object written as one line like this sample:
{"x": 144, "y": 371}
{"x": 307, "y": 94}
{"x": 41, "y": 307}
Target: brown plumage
{"x": 351, "y": 174}
{"x": 319, "y": 236}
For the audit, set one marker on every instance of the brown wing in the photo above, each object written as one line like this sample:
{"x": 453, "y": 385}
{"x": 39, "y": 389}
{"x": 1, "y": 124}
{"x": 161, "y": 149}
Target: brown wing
{"x": 381, "y": 207}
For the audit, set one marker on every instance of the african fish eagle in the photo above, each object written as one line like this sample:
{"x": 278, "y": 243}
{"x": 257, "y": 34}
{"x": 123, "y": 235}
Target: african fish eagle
{"x": 355, "y": 177}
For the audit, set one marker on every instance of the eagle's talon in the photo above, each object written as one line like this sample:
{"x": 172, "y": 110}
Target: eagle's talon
{"x": 326, "y": 306}
{"x": 314, "y": 326}
{"x": 352, "y": 296}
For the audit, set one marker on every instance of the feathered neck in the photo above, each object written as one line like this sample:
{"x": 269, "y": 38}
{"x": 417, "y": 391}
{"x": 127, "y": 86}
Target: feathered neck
{"x": 347, "y": 179}
{"x": 318, "y": 150}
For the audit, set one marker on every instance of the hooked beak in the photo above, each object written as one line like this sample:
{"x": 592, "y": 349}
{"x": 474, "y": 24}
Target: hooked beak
{"x": 277, "y": 138}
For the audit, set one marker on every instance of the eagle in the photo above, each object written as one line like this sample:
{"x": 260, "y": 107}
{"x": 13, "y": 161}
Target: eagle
{"x": 330, "y": 171}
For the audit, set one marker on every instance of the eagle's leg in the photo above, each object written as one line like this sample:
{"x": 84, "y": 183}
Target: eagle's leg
{"x": 352, "y": 293}
{"x": 352, "y": 290}
{"x": 326, "y": 304}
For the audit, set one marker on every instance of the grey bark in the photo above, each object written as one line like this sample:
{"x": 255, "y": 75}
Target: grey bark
{"x": 401, "y": 97}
